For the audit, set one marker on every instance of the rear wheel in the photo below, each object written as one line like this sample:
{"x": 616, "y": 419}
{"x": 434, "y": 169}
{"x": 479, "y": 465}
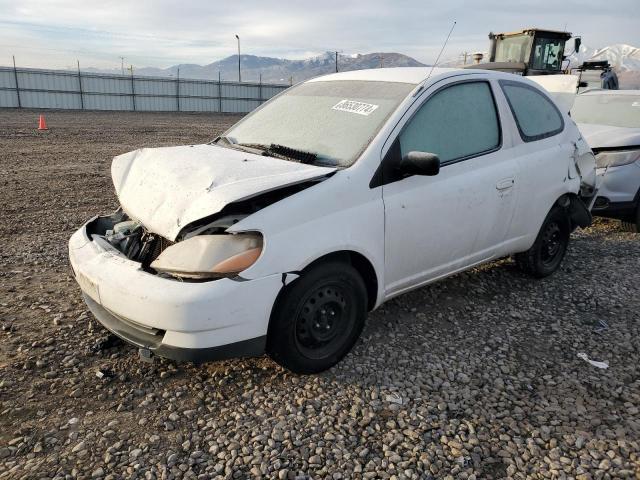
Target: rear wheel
{"x": 633, "y": 224}
{"x": 546, "y": 254}
{"x": 318, "y": 318}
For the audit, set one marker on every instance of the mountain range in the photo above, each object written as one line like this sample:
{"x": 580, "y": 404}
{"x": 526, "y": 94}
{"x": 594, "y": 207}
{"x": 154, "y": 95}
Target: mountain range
{"x": 624, "y": 58}
{"x": 276, "y": 70}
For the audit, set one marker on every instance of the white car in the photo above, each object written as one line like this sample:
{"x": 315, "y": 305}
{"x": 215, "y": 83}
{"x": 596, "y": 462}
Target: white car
{"x": 610, "y": 123}
{"x": 335, "y": 196}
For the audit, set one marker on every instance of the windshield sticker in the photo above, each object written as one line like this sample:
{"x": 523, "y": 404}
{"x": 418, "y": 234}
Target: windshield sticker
{"x": 352, "y": 106}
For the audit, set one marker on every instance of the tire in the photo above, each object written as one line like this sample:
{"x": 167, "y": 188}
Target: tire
{"x": 318, "y": 318}
{"x": 547, "y": 252}
{"x": 633, "y": 225}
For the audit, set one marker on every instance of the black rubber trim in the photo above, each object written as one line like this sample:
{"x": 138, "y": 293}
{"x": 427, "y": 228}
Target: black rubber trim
{"x": 618, "y": 210}
{"x": 579, "y": 213}
{"x": 144, "y": 339}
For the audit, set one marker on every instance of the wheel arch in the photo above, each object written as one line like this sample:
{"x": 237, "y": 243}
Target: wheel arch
{"x": 363, "y": 266}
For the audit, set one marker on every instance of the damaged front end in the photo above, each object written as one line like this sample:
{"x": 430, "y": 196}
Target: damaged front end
{"x": 205, "y": 253}
{"x": 203, "y": 250}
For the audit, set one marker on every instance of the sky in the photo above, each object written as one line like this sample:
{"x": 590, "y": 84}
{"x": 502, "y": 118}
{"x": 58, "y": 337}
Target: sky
{"x": 161, "y": 33}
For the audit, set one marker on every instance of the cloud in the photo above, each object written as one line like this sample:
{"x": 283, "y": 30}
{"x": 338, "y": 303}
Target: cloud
{"x": 163, "y": 32}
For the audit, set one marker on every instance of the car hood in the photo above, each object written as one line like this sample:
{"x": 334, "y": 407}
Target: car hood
{"x": 165, "y": 189}
{"x": 608, "y": 136}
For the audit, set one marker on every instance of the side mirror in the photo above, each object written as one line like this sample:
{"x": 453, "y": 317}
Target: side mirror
{"x": 577, "y": 43}
{"x": 420, "y": 163}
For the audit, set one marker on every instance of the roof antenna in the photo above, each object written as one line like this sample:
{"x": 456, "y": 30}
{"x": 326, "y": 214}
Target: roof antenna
{"x": 441, "y": 50}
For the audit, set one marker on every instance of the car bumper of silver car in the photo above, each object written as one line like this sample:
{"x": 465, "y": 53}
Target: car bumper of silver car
{"x": 619, "y": 192}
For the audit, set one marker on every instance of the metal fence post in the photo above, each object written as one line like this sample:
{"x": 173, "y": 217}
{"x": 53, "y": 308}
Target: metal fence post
{"x": 178, "y": 90}
{"x": 15, "y": 75}
{"x": 219, "y": 92}
{"x": 133, "y": 90}
{"x": 80, "y": 87}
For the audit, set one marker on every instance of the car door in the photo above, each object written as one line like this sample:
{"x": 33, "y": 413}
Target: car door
{"x": 543, "y": 153}
{"x": 437, "y": 225}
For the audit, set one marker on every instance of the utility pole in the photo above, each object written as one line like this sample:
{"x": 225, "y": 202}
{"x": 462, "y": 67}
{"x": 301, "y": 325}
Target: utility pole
{"x": 122, "y": 65}
{"x": 381, "y": 58}
{"x": 239, "y": 76}
{"x": 336, "y": 62}
{"x": 465, "y": 55}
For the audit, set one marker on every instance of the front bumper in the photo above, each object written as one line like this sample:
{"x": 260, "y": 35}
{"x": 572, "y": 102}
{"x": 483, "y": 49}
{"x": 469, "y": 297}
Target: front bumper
{"x": 619, "y": 191}
{"x": 179, "y": 320}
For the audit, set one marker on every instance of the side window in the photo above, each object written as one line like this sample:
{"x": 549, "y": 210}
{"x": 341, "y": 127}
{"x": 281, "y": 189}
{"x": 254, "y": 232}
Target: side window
{"x": 457, "y": 122}
{"x": 537, "y": 117}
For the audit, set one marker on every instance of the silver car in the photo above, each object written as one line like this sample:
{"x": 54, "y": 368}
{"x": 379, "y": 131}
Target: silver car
{"x": 610, "y": 122}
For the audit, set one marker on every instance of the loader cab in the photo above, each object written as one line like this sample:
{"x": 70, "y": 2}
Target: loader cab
{"x": 527, "y": 52}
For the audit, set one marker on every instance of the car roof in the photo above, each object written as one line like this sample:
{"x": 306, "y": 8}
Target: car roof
{"x": 412, "y": 75}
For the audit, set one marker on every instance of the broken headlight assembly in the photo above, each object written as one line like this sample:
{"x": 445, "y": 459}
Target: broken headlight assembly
{"x": 617, "y": 158}
{"x": 210, "y": 256}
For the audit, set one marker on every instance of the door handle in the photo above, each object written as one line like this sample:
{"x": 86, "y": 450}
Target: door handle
{"x": 505, "y": 183}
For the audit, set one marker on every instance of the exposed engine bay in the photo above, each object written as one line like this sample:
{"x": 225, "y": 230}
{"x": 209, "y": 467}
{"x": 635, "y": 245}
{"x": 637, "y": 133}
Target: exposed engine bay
{"x": 128, "y": 237}
{"x": 131, "y": 239}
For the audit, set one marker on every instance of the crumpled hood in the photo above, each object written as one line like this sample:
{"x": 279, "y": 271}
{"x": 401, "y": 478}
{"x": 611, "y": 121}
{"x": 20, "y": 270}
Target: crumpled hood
{"x": 608, "y": 136}
{"x": 168, "y": 188}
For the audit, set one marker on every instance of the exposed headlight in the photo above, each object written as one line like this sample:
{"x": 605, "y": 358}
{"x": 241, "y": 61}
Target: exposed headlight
{"x": 210, "y": 256}
{"x": 616, "y": 159}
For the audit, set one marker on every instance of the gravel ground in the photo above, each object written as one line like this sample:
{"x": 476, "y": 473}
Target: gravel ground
{"x": 473, "y": 377}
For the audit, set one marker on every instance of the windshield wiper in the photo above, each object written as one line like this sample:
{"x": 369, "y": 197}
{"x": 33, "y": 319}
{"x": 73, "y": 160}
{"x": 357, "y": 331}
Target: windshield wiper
{"x": 292, "y": 153}
{"x": 274, "y": 150}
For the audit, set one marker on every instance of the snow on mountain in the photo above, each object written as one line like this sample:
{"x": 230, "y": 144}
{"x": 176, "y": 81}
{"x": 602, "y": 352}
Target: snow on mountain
{"x": 622, "y": 57}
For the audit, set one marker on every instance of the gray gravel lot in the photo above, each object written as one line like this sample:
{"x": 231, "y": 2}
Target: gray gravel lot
{"x": 473, "y": 377}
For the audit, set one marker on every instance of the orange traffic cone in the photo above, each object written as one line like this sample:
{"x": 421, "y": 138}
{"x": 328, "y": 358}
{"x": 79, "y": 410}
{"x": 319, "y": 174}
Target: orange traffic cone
{"x": 42, "y": 124}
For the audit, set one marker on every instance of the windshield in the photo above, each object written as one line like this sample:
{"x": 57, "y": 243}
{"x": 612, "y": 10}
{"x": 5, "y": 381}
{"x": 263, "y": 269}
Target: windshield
{"x": 332, "y": 121}
{"x": 607, "y": 109}
{"x": 513, "y": 49}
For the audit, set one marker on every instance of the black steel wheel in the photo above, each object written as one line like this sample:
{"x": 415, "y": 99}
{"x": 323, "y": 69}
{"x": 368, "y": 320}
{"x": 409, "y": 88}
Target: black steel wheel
{"x": 546, "y": 254}
{"x": 318, "y": 318}
{"x": 552, "y": 244}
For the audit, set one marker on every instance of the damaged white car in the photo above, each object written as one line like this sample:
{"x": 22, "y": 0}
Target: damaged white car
{"x": 335, "y": 196}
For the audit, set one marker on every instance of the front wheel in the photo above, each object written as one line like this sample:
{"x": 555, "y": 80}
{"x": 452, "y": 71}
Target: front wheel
{"x": 318, "y": 318}
{"x": 546, "y": 254}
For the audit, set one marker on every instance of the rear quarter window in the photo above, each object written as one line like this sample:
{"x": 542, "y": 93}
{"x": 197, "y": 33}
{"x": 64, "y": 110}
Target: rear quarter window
{"x": 537, "y": 117}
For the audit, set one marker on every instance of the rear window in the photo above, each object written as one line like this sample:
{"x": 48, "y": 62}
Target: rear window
{"x": 537, "y": 117}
